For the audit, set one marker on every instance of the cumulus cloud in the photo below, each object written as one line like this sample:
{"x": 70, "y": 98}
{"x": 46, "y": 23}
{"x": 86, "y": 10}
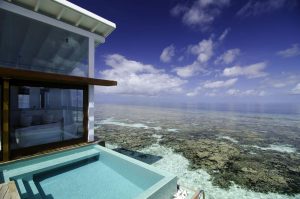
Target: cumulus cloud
{"x": 137, "y": 78}
{"x": 220, "y": 84}
{"x": 254, "y": 93}
{"x": 167, "y": 54}
{"x": 194, "y": 92}
{"x": 281, "y": 81}
{"x": 189, "y": 70}
{"x": 214, "y": 85}
{"x": 201, "y": 13}
{"x": 233, "y": 92}
{"x": 256, "y": 7}
{"x": 250, "y": 71}
{"x": 250, "y": 92}
{"x": 296, "y": 90}
{"x": 204, "y": 51}
{"x": 290, "y": 52}
{"x": 228, "y": 57}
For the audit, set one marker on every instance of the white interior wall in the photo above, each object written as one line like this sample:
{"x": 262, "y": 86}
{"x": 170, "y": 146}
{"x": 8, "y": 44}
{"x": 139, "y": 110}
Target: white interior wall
{"x": 91, "y": 107}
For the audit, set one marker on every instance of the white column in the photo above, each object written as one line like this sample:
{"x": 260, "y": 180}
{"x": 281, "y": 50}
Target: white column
{"x": 91, "y": 74}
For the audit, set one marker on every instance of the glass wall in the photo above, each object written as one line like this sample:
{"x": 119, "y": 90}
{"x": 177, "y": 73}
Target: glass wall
{"x": 42, "y": 115}
{"x": 32, "y": 45}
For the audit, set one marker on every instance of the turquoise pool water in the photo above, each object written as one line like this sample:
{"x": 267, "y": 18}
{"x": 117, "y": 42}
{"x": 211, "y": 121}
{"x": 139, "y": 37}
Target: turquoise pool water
{"x": 90, "y": 172}
{"x": 91, "y": 180}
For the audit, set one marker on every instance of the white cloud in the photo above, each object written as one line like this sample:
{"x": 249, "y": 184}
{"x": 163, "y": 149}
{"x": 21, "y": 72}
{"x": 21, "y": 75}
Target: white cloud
{"x": 204, "y": 51}
{"x": 250, "y": 92}
{"x": 281, "y": 81}
{"x": 194, "y": 92}
{"x": 228, "y": 57}
{"x": 290, "y": 52}
{"x": 255, "y": 8}
{"x": 233, "y": 92}
{"x": 214, "y": 85}
{"x": 279, "y": 85}
{"x": 137, "y": 78}
{"x": 211, "y": 94}
{"x": 260, "y": 93}
{"x": 250, "y": 71}
{"x": 220, "y": 84}
{"x": 296, "y": 90}
{"x": 201, "y": 13}
{"x": 167, "y": 54}
{"x": 189, "y": 70}
{"x": 224, "y": 34}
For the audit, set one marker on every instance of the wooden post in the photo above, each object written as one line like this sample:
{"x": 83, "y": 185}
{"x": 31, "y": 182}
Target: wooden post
{"x": 5, "y": 119}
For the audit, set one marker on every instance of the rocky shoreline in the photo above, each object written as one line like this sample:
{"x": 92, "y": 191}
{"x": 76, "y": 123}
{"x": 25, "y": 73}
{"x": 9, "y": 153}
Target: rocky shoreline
{"x": 226, "y": 161}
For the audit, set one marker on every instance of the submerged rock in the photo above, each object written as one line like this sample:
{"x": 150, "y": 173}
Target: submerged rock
{"x": 262, "y": 172}
{"x": 125, "y": 137}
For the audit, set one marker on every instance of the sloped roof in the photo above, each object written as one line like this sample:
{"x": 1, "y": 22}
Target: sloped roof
{"x": 70, "y": 13}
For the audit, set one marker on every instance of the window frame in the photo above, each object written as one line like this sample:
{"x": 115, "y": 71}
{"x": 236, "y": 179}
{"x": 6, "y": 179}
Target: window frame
{"x": 1, "y": 117}
{"x": 16, "y": 153}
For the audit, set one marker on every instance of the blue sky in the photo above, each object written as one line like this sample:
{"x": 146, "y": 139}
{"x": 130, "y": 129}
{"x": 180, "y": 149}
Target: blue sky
{"x": 200, "y": 50}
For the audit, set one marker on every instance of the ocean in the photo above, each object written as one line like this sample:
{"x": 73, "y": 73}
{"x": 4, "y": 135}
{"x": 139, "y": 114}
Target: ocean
{"x": 228, "y": 150}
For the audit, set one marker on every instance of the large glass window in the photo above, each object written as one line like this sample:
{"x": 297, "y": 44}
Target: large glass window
{"x": 32, "y": 45}
{"x": 42, "y": 115}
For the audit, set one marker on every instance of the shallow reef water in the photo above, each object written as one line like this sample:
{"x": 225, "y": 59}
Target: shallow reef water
{"x": 228, "y": 154}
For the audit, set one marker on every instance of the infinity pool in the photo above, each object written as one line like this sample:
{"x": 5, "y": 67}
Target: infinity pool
{"x": 88, "y": 172}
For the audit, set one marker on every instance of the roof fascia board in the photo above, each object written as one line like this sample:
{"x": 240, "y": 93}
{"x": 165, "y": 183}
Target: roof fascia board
{"x": 45, "y": 19}
{"x": 85, "y": 12}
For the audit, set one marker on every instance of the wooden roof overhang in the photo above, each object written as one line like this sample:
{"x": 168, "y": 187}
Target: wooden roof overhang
{"x": 20, "y": 74}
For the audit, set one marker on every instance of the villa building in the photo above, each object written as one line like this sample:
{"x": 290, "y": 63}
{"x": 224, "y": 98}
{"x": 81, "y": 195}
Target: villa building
{"x": 47, "y": 50}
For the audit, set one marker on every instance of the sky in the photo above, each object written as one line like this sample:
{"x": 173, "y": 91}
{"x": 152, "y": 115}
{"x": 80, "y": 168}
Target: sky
{"x": 199, "y": 50}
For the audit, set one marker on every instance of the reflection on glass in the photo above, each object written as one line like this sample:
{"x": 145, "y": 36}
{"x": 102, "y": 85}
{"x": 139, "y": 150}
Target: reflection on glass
{"x": 32, "y": 45}
{"x": 41, "y": 115}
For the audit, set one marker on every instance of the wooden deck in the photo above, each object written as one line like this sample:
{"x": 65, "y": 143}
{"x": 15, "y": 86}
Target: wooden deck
{"x": 9, "y": 191}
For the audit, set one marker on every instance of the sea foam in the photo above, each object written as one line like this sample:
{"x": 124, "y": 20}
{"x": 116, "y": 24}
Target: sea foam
{"x": 112, "y": 121}
{"x": 173, "y": 130}
{"x": 228, "y": 138}
{"x": 279, "y": 148}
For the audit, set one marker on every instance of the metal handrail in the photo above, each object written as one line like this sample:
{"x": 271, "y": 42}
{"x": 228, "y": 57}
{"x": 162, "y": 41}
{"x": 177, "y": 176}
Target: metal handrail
{"x": 201, "y": 194}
